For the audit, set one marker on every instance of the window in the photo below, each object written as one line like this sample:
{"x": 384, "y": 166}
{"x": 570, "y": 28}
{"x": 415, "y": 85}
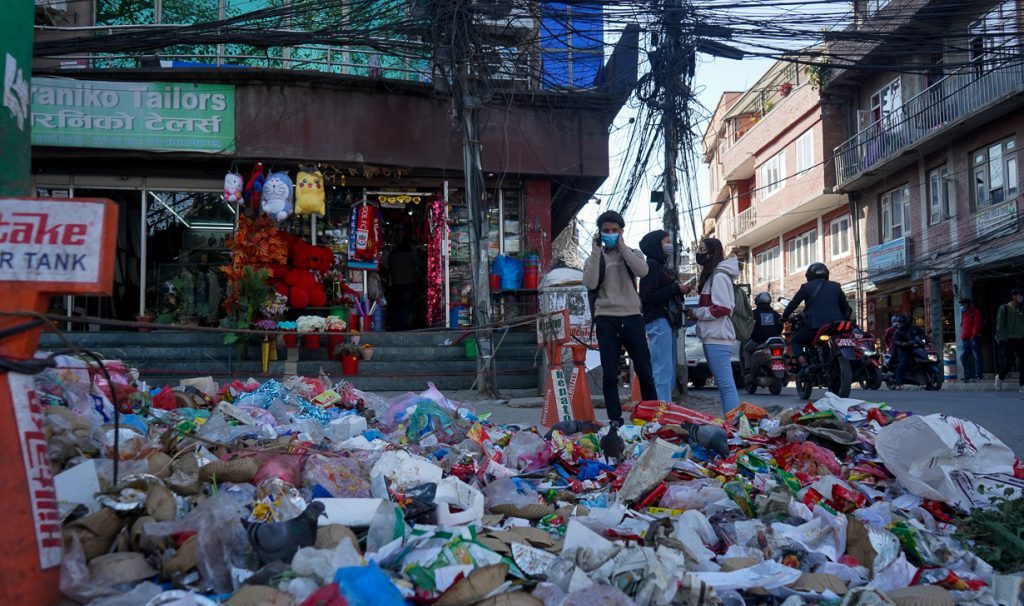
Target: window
{"x": 995, "y": 173}
{"x": 876, "y": 5}
{"x": 771, "y": 174}
{"x": 805, "y": 152}
{"x": 803, "y": 251}
{"x": 886, "y": 103}
{"x": 941, "y": 196}
{"x": 839, "y": 236}
{"x": 991, "y": 37}
{"x": 767, "y": 265}
{"x": 895, "y": 214}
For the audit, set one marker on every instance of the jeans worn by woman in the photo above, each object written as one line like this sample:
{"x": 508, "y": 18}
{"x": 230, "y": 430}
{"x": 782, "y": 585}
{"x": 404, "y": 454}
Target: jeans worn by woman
{"x": 663, "y": 357}
{"x": 719, "y": 359}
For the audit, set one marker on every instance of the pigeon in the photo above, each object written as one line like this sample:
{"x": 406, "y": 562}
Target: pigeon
{"x": 612, "y": 444}
{"x": 574, "y": 426}
{"x": 278, "y": 541}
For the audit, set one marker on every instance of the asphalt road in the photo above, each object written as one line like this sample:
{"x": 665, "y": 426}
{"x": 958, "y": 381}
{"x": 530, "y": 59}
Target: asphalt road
{"x": 1002, "y": 412}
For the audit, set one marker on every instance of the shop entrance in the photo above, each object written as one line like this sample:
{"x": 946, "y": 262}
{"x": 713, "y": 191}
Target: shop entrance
{"x": 404, "y": 264}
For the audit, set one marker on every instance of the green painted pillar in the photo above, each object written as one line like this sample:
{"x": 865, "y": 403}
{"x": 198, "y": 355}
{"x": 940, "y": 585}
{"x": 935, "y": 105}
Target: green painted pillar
{"x": 16, "y": 31}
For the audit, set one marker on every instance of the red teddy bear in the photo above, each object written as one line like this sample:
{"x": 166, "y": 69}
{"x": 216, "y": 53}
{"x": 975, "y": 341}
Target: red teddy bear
{"x": 307, "y": 263}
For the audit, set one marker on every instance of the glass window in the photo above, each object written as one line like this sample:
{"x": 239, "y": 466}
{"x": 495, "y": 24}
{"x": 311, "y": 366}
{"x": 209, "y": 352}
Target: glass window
{"x": 995, "y": 174}
{"x": 771, "y": 174}
{"x": 802, "y": 251}
{"x": 895, "y": 214}
{"x": 767, "y": 265}
{"x": 886, "y": 103}
{"x": 839, "y": 235}
{"x": 941, "y": 196}
{"x": 805, "y": 152}
{"x": 991, "y": 35}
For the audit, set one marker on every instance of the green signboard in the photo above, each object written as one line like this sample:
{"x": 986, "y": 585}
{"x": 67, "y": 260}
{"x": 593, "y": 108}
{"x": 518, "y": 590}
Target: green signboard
{"x": 16, "y": 71}
{"x": 156, "y": 116}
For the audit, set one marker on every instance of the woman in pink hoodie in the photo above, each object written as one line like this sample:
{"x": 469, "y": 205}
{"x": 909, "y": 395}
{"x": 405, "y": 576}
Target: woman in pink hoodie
{"x": 714, "y": 316}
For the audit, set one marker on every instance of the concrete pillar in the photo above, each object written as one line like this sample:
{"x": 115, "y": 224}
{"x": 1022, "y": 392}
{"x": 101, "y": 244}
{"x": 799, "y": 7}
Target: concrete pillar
{"x": 961, "y": 289}
{"x": 538, "y": 220}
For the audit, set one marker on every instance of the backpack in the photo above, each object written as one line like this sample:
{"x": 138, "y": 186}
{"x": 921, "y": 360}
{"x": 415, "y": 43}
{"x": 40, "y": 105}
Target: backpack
{"x": 592, "y": 295}
{"x": 742, "y": 315}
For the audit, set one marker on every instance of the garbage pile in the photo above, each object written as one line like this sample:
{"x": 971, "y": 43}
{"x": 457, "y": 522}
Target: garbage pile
{"x": 307, "y": 492}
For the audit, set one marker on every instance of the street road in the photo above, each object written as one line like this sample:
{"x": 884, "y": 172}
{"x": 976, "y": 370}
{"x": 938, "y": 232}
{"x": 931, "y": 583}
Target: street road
{"x": 999, "y": 412}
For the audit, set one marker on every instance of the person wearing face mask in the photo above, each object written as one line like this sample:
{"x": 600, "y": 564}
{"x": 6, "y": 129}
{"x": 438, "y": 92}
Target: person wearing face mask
{"x": 970, "y": 336}
{"x": 662, "y": 297}
{"x": 713, "y": 315}
{"x": 609, "y": 273}
{"x": 1010, "y": 336}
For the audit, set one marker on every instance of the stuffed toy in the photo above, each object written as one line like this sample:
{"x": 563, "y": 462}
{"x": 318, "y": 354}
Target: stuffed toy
{"x": 233, "y": 185}
{"x": 276, "y": 199}
{"x": 254, "y": 186}
{"x": 309, "y": 192}
{"x": 307, "y": 264}
{"x": 365, "y": 236}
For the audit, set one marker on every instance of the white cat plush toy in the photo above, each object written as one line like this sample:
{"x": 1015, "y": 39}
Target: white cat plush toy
{"x": 276, "y": 200}
{"x": 233, "y": 185}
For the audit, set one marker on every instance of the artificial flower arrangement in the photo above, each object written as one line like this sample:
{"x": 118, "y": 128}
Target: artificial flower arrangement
{"x": 290, "y": 340}
{"x": 275, "y": 306}
{"x": 311, "y": 324}
{"x": 265, "y": 324}
{"x": 335, "y": 324}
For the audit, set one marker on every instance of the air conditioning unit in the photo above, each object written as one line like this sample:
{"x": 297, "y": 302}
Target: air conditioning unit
{"x": 505, "y": 19}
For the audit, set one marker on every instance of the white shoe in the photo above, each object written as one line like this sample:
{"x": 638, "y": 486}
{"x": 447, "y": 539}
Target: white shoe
{"x": 999, "y": 384}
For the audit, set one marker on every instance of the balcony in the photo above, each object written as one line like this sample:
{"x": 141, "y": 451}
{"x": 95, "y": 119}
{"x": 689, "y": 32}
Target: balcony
{"x": 959, "y": 95}
{"x": 744, "y": 221}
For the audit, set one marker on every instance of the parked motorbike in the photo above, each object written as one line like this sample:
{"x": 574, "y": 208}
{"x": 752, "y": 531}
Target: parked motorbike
{"x": 924, "y": 368}
{"x": 767, "y": 367}
{"x": 829, "y": 358}
{"x": 867, "y": 362}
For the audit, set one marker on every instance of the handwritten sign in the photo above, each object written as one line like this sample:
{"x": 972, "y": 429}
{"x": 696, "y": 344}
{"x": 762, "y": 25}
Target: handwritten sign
{"x": 553, "y": 328}
{"x": 176, "y": 116}
{"x": 44, "y": 241}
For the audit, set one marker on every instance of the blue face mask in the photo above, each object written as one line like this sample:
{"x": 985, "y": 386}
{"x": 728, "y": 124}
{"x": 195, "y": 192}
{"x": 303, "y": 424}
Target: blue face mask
{"x": 669, "y": 249}
{"x": 609, "y": 240}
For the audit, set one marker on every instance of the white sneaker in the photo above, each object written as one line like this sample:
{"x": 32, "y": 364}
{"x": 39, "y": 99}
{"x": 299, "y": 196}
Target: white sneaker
{"x": 999, "y": 384}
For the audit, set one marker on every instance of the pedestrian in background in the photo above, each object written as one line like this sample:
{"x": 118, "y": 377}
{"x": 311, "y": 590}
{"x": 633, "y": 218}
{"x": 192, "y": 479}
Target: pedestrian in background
{"x": 970, "y": 336}
{"x": 661, "y": 294}
{"x": 610, "y": 273}
{"x": 1010, "y": 336}
{"x": 714, "y": 316}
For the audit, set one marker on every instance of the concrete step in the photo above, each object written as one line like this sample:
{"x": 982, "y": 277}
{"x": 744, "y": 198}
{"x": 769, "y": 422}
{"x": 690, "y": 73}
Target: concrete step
{"x": 371, "y": 367}
{"x": 374, "y": 383}
{"x": 138, "y": 355}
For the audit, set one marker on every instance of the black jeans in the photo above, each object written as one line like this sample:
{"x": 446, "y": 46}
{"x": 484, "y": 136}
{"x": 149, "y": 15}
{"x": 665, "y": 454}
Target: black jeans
{"x": 1011, "y": 347}
{"x": 802, "y": 338}
{"x": 613, "y": 333}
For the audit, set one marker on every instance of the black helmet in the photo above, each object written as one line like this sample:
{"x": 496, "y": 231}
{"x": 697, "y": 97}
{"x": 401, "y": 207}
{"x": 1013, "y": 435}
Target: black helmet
{"x": 817, "y": 271}
{"x": 900, "y": 319}
{"x": 763, "y": 298}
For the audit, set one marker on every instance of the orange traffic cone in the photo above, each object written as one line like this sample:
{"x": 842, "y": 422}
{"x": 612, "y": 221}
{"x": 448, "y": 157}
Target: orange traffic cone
{"x": 568, "y": 397}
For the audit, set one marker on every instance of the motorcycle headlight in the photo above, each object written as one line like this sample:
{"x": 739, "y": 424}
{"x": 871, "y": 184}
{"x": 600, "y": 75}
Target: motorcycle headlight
{"x": 933, "y": 358}
{"x": 823, "y": 337}
{"x": 870, "y": 352}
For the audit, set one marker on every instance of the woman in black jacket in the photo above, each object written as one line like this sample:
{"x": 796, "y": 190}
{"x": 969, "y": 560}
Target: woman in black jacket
{"x": 662, "y": 297}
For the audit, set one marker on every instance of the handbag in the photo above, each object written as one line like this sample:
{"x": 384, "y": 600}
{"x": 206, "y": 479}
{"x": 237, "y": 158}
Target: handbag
{"x": 674, "y": 311}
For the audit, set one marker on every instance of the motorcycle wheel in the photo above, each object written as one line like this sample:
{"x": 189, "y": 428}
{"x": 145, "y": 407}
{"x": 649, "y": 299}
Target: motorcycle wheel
{"x": 751, "y": 385}
{"x": 872, "y": 379}
{"x": 776, "y": 387}
{"x": 804, "y": 387}
{"x": 841, "y": 377}
{"x": 934, "y": 382}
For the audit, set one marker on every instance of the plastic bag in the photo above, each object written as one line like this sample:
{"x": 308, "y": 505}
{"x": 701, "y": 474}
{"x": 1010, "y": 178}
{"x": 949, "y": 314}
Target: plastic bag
{"x": 527, "y": 451}
{"x": 511, "y": 273}
{"x": 697, "y": 494}
{"x": 341, "y": 477}
{"x": 431, "y": 418}
{"x": 286, "y": 467}
{"x": 507, "y": 491}
{"x": 367, "y": 586}
{"x": 322, "y": 563}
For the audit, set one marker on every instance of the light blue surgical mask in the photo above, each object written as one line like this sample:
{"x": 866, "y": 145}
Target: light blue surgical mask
{"x": 610, "y": 240}
{"x": 669, "y": 249}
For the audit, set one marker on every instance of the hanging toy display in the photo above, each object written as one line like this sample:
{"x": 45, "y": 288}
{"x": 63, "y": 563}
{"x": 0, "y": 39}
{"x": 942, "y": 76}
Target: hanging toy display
{"x": 364, "y": 237}
{"x": 309, "y": 192}
{"x": 254, "y": 186}
{"x": 276, "y": 199}
{"x": 233, "y": 185}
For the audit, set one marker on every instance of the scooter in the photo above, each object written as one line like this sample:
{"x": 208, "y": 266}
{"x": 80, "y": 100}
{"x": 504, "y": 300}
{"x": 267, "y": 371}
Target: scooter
{"x": 867, "y": 363}
{"x": 767, "y": 367}
{"x": 923, "y": 369}
{"x": 828, "y": 359}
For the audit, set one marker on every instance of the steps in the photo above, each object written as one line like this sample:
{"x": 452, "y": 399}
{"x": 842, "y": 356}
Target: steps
{"x": 401, "y": 361}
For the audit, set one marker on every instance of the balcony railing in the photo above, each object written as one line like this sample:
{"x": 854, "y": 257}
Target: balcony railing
{"x": 945, "y": 102}
{"x": 744, "y": 221}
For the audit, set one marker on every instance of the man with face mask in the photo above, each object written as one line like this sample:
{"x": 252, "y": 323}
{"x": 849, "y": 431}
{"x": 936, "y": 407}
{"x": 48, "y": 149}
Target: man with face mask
{"x": 610, "y": 273}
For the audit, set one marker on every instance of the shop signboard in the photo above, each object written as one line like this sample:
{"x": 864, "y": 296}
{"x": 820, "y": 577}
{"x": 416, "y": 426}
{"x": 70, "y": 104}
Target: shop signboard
{"x": 889, "y": 260}
{"x": 998, "y": 220}
{"x": 155, "y": 116}
{"x": 16, "y": 72}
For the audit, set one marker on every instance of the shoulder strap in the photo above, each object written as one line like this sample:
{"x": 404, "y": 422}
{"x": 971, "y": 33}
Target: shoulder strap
{"x": 817, "y": 290}
{"x": 600, "y": 272}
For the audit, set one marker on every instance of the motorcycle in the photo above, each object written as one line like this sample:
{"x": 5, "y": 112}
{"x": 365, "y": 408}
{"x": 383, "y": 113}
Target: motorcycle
{"x": 829, "y": 358}
{"x": 923, "y": 369}
{"x": 867, "y": 363}
{"x": 767, "y": 367}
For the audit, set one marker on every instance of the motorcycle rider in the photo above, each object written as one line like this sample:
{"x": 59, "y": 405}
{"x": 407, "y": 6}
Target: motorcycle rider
{"x": 767, "y": 324}
{"x": 824, "y": 303}
{"x": 904, "y": 340}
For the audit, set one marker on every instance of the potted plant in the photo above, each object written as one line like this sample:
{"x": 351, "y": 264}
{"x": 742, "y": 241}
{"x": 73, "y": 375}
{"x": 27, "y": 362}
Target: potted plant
{"x": 185, "y": 299}
{"x": 367, "y": 351}
{"x": 354, "y": 337}
{"x": 349, "y": 354}
{"x": 290, "y": 338}
{"x": 338, "y": 325}
{"x": 252, "y": 293}
{"x": 311, "y": 324}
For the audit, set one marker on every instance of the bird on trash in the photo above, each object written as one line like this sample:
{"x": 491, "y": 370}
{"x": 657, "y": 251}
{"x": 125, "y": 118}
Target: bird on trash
{"x": 278, "y": 541}
{"x": 572, "y": 427}
{"x": 612, "y": 444}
